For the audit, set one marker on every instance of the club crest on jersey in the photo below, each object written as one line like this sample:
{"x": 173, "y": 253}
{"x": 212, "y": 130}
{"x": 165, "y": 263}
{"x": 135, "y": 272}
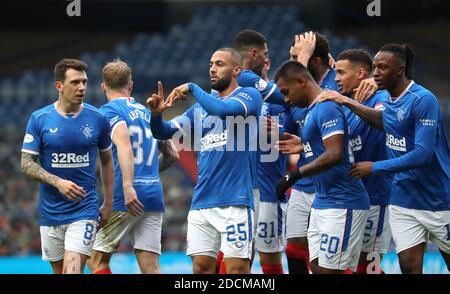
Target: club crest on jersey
{"x": 87, "y": 131}
{"x": 401, "y": 114}
{"x": 261, "y": 85}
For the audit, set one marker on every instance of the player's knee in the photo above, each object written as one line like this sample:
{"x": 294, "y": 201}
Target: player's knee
{"x": 238, "y": 268}
{"x": 410, "y": 264}
{"x": 315, "y": 268}
{"x": 201, "y": 268}
{"x": 151, "y": 268}
{"x": 302, "y": 241}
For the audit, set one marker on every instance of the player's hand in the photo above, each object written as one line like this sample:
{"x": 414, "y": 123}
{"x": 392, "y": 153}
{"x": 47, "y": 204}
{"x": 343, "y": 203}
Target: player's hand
{"x": 365, "y": 90}
{"x": 179, "y": 93}
{"x": 156, "y": 102}
{"x": 71, "y": 190}
{"x": 290, "y": 144}
{"x": 304, "y": 46}
{"x": 134, "y": 206}
{"x": 105, "y": 215}
{"x": 333, "y": 96}
{"x": 286, "y": 182}
{"x": 270, "y": 126}
{"x": 361, "y": 169}
{"x": 293, "y": 54}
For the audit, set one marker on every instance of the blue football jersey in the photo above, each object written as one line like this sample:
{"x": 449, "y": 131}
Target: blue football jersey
{"x": 334, "y": 187}
{"x": 328, "y": 81}
{"x": 295, "y": 120}
{"x": 67, "y": 147}
{"x": 418, "y": 151}
{"x": 226, "y": 156}
{"x": 368, "y": 144}
{"x": 146, "y": 180}
{"x": 270, "y": 172}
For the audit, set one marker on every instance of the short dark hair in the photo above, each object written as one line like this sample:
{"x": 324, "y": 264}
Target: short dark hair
{"x": 358, "y": 56}
{"x": 291, "y": 69}
{"x": 63, "y": 65}
{"x": 236, "y": 56}
{"x": 404, "y": 52}
{"x": 322, "y": 48}
{"x": 246, "y": 39}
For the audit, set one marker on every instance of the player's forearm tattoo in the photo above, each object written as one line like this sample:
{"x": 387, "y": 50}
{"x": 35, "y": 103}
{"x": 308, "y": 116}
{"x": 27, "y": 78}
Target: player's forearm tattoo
{"x": 167, "y": 156}
{"x": 34, "y": 170}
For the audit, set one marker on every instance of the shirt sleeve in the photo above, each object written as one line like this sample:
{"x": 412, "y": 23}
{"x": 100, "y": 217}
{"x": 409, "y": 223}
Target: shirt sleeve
{"x": 104, "y": 142}
{"x": 268, "y": 90}
{"x": 426, "y": 116}
{"x": 246, "y": 102}
{"x": 331, "y": 119}
{"x": 113, "y": 116}
{"x": 32, "y": 139}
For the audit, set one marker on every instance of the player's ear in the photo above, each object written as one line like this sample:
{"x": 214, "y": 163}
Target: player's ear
{"x": 59, "y": 86}
{"x": 301, "y": 81}
{"x": 130, "y": 86}
{"x": 237, "y": 71}
{"x": 253, "y": 52}
{"x": 103, "y": 87}
{"x": 362, "y": 74}
{"x": 401, "y": 70}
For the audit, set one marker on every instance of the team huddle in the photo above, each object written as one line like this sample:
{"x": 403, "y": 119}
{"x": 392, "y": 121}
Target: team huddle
{"x": 373, "y": 163}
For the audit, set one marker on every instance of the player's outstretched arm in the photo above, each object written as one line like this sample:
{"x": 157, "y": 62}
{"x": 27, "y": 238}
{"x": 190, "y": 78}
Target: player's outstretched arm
{"x": 218, "y": 107}
{"x": 369, "y": 115}
{"x": 426, "y": 115}
{"x": 121, "y": 138}
{"x": 168, "y": 154}
{"x": 107, "y": 175}
{"x": 30, "y": 167}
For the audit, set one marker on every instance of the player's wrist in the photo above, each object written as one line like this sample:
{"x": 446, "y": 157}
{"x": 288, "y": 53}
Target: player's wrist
{"x": 294, "y": 176}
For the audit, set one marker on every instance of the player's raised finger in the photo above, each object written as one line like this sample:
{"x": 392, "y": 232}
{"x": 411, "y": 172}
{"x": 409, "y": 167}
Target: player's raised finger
{"x": 160, "y": 90}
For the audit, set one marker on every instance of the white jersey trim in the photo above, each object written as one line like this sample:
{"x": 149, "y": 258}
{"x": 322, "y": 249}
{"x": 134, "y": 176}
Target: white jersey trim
{"x": 402, "y": 94}
{"x": 243, "y": 104}
{"x": 115, "y": 127}
{"x": 338, "y": 132}
{"x": 270, "y": 93}
{"x": 106, "y": 149}
{"x": 178, "y": 126}
{"x": 30, "y": 151}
